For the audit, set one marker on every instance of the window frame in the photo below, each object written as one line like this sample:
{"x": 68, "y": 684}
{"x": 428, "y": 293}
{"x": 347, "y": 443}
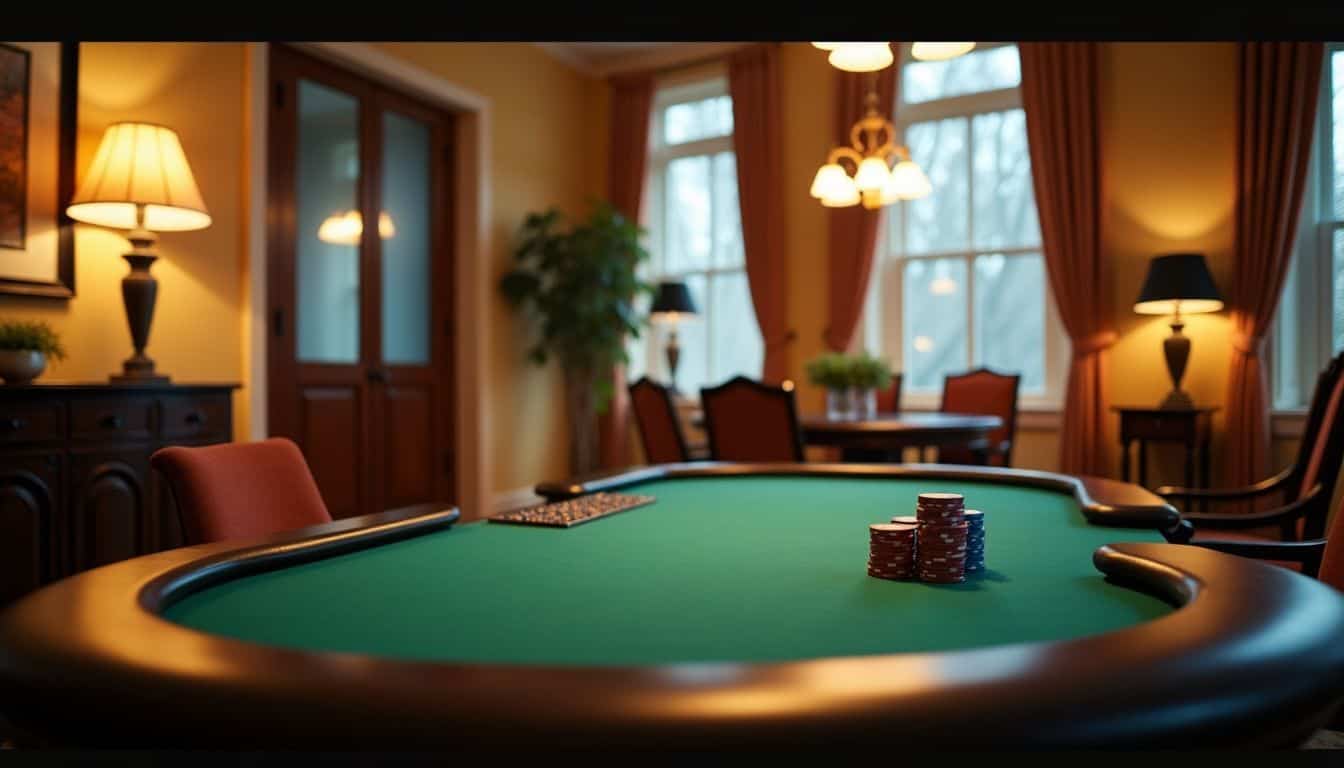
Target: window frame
{"x": 1310, "y": 285}
{"x": 884, "y": 330}
{"x": 679, "y": 88}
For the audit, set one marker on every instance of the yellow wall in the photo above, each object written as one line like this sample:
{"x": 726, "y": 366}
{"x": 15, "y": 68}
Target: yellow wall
{"x": 547, "y": 144}
{"x": 197, "y": 334}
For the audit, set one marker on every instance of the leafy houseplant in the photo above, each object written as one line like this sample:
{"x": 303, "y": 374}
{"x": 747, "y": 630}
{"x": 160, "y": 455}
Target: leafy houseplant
{"x": 851, "y": 383}
{"x": 24, "y": 349}
{"x": 580, "y": 285}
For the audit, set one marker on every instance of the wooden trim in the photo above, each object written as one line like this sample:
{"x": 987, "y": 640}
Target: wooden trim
{"x": 94, "y": 665}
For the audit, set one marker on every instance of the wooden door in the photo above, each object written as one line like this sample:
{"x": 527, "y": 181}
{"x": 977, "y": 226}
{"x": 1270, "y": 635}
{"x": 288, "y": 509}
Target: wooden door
{"x": 360, "y": 341}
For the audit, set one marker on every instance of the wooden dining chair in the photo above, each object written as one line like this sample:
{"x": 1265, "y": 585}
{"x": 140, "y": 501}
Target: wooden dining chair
{"x": 240, "y": 490}
{"x": 986, "y": 392}
{"x": 748, "y": 420}
{"x": 889, "y": 399}
{"x": 1300, "y": 513}
{"x": 659, "y": 428}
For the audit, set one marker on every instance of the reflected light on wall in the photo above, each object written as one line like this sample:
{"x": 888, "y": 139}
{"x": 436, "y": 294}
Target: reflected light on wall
{"x": 346, "y": 228}
{"x": 943, "y": 286}
{"x": 923, "y": 344}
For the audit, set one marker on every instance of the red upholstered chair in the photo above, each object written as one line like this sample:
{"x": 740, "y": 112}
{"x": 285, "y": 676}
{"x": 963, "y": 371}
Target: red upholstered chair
{"x": 889, "y": 399}
{"x": 750, "y": 421}
{"x": 1305, "y": 487}
{"x": 659, "y": 428}
{"x": 985, "y": 392}
{"x": 241, "y": 490}
{"x": 1320, "y": 557}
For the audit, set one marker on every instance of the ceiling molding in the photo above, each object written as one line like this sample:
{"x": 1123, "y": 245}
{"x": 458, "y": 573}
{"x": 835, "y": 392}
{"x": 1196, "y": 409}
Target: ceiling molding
{"x": 656, "y": 56}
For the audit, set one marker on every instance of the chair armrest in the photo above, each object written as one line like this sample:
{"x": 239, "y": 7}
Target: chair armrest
{"x": 1287, "y": 514}
{"x": 1268, "y": 485}
{"x": 1308, "y": 553}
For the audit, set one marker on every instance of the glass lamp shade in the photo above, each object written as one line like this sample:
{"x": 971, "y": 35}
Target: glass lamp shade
{"x": 830, "y": 181}
{"x": 140, "y": 166}
{"x": 872, "y": 174}
{"x": 939, "y": 51}
{"x": 905, "y": 182}
{"x": 826, "y": 46}
{"x": 839, "y": 190}
{"x": 1178, "y": 282}
{"x": 861, "y": 57}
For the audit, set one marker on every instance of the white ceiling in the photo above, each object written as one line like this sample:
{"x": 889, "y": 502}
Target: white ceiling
{"x": 609, "y": 58}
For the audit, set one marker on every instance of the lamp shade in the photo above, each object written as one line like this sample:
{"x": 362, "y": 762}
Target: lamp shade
{"x": 673, "y": 300}
{"x": 939, "y": 51}
{"x": 861, "y": 57}
{"x": 1178, "y": 282}
{"x": 140, "y": 164}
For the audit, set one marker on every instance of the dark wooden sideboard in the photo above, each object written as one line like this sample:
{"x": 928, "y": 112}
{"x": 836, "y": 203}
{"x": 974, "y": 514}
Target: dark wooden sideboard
{"x": 76, "y": 490}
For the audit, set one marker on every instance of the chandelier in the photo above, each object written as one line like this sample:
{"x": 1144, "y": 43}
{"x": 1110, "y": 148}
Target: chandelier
{"x": 883, "y": 171}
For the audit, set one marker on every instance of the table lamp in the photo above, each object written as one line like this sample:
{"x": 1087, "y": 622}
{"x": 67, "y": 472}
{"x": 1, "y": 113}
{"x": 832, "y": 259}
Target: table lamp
{"x": 672, "y": 304}
{"x": 140, "y": 181}
{"x": 1178, "y": 283}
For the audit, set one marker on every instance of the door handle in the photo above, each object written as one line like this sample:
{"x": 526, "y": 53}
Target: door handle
{"x": 377, "y": 375}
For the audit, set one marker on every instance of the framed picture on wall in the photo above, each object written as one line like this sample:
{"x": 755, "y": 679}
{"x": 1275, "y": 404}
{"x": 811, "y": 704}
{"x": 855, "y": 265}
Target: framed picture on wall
{"x": 39, "y": 94}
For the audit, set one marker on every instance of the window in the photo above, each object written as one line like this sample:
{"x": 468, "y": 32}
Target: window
{"x": 1309, "y": 328}
{"x": 695, "y": 235}
{"x": 959, "y": 281}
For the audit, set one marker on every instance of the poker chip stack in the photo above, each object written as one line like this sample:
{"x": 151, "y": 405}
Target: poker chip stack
{"x": 943, "y": 534}
{"x": 975, "y": 540}
{"x": 891, "y": 550}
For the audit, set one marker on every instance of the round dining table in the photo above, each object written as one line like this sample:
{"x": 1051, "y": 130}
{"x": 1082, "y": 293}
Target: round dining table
{"x": 886, "y": 435}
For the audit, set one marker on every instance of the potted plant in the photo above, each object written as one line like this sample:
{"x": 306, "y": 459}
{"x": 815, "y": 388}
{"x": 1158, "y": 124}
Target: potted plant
{"x": 24, "y": 349}
{"x": 580, "y": 285}
{"x": 851, "y": 383}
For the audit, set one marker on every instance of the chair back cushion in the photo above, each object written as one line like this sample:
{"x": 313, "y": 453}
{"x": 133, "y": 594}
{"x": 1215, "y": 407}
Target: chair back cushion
{"x": 988, "y": 393}
{"x": 889, "y": 399}
{"x": 241, "y": 490}
{"x": 1328, "y": 446}
{"x": 659, "y": 429}
{"x": 750, "y": 421}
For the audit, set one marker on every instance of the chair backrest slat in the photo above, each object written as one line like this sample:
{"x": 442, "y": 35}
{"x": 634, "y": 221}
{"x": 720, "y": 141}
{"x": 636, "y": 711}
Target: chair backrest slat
{"x": 987, "y": 392}
{"x": 659, "y": 429}
{"x": 747, "y": 420}
{"x": 889, "y": 399}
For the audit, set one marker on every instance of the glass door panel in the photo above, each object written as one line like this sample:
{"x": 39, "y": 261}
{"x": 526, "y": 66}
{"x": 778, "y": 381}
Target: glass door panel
{"x": 404, "y": 229}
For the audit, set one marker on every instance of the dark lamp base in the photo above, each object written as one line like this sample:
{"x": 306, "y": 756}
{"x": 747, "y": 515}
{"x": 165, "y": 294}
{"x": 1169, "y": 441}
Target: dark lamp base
{"x": 1177, "y": 400}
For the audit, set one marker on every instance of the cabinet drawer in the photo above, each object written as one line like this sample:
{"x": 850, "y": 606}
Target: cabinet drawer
{"x": 109, "y": 418}
{"x": 196, "y": 416}
{"x": 1147, "y": 426}
{"x": 31, "y": 422}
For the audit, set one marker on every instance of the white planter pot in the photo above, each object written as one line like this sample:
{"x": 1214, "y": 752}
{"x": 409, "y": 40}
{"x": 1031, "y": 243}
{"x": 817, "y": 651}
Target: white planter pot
{"x": 20, "y": 366}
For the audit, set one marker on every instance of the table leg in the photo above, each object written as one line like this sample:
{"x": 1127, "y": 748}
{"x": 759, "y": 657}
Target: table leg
{"x": 1204, "y": 472}
{"x": 1190, "y": 464}
{"x": 1124, "y": 460}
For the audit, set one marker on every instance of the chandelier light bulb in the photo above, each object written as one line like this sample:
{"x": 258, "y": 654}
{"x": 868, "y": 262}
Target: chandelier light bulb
{"x": 872, "y": 174}
{"x": 831, "y": 181}
{"x": 939, "y": 51}
{"x": 861, "y": 57}
{"x": 841, "y": 193}
{"x": 905, "y": 182}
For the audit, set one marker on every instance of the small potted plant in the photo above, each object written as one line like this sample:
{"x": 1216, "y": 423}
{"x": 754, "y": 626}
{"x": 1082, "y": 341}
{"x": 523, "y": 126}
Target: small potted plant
{"x": 24, "y": 349}
{"x": 851, "y": 383}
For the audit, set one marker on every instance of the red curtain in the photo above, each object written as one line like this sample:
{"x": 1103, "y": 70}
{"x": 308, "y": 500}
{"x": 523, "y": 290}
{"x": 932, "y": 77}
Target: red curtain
{"x": 754, "y": 83}
{"x": 852, "y": 238}
{"x": 1060, "y": 95}
{"x": 627, "y": 153}
{"x": 1275, "y": 120}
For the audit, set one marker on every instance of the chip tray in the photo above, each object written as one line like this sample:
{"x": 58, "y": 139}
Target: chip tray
{"x": 572, "y": 512}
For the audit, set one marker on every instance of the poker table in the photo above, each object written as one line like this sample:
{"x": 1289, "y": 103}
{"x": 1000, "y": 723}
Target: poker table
{"x": 733, "y": 610}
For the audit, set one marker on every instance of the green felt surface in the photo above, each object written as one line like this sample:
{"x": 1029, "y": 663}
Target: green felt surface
{"x": 741, "y": 568}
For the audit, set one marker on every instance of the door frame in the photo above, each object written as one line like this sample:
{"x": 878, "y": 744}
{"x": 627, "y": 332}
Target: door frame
{"x": 471, "y": 246}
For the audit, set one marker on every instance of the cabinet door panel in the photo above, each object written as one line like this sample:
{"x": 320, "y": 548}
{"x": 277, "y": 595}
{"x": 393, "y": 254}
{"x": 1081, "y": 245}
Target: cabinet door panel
{"x": 108, "y": 506}
{"x": 408, "y": 445}
{"x": 28, "y": 503}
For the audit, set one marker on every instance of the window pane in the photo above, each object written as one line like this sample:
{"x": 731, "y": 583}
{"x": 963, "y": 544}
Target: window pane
{"x": 737, "y": 338}
{"x": 1338, "y": 263}
{"x": 1010, "y": 316}
{"x": 1287, "y": 351}
{"x": 727, "y": 215}
{"x": 697, "y": 120}
{"x": 1005, "y": 204}
{"x": 686, "y": 217}
{"x": 939, "y": 222}
{"x": 405, "y": 239}
{"x": 980, "y": 70}
{"x": 327, "y": 268}
{"x": 1337, "y": 114}
{"x": 934, "y": 320}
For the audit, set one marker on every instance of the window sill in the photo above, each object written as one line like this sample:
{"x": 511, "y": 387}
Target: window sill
{"x": 1287, "y": 424}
